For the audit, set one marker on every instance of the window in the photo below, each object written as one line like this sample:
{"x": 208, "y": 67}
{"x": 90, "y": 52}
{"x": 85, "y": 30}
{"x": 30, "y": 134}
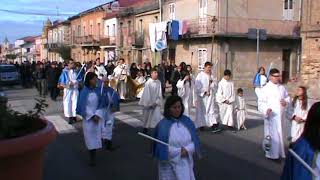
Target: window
{"x": 140, "y": 27}
{"x": 98, "y": 30}
{"x": 202, "y": 58}
{"x": 113, "y": 30}
{"x": 129, "y": 28}
{"x": 172, "y": 11}
{"x": 91, "y": 30}
{"x": 156, "y": 19}
{"x": 79, "y": 30}
{"x": 288, "y": 10}
{"x": 108, "y": 31}
{"x": 84, "y": 31}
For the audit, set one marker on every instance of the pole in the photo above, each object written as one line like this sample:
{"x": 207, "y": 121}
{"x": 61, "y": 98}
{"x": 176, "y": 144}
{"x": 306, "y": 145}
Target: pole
{"x": 153, "y": 139}
{"x": 312, "y": 171}
{"x": 258, "y": 46}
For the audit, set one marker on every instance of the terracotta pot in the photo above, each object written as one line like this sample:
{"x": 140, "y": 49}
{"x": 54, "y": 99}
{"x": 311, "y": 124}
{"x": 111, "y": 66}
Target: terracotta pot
{"x": 22, "y": 157}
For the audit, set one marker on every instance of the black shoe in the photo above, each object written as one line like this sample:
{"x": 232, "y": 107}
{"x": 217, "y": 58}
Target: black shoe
{"x": 145, "y": 130}
{"x": 71, "y": 120}
{"x": 108, "y": 145}
{"x": 201, "y": 129}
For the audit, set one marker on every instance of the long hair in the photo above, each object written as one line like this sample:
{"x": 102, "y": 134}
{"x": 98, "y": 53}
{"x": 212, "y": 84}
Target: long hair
{"x": 89, "y": 76}
{"x": 261, "y": 68}
{"x": 304, "y": 104}
{"x": 183, "y": 75}
{"x": 171, "y": 100}
{"x": 311, "y": 130}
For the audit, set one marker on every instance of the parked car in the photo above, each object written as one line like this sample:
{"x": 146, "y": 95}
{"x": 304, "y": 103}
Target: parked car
{"x": 9, "y": 74}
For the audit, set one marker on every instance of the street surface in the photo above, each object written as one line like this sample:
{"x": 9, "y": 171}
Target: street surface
{"x": 227, "y": 156}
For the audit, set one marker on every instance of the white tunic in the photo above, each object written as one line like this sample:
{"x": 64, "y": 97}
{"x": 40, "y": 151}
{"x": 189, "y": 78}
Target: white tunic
{"x": 241, "y": 111}
{"x": 206, "y": 108}
{"x": 185, "y": 92}
{"x": 70, "y": 95}
{"x": 226, "y": 93}
{"x": 140, "y": 80}
{"x": 91, "y": 129}
{"x": 273, "y": 125}
{"x": 100, "y": 71}
{"x": 151, "y": 96}
{"x": 263, "y": 82}
{"x": 178, "y": 168}
{"x": 120, "y": 73}
{"x": 297, "y": 128}
{"x": 107, "y": 120}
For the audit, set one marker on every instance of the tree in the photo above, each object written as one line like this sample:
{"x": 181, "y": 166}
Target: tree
{"x": 65, "y": 52}
{"x": 11, "y": 56}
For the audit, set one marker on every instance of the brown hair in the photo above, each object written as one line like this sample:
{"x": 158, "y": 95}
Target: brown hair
{"x": 304, "y": 104}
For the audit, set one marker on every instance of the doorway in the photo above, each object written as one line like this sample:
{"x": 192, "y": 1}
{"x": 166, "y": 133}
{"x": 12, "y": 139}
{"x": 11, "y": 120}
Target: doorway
{"x": 286, "y": 57}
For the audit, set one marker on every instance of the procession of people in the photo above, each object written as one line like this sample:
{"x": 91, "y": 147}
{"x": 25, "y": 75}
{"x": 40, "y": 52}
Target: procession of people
{"x": 92, "y": 92}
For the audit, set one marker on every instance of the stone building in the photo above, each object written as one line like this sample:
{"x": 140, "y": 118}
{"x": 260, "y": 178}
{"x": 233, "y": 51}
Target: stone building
{"x": 310, "y": 61}
{"x": 217, "y": 31}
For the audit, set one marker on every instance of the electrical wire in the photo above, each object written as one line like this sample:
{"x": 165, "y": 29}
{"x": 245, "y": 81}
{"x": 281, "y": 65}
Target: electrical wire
{"x": 35, "y": 13}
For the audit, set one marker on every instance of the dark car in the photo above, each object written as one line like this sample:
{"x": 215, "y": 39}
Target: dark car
{"x": 9, "y": 74}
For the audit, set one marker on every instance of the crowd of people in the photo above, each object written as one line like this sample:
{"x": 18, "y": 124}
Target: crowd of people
{"x": 94, "y": 91}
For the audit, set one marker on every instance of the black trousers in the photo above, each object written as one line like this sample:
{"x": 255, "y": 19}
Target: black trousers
{"x": 54, "y": 92}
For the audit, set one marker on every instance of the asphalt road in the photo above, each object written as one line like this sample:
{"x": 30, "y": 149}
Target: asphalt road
{"x": 227, "y": 155}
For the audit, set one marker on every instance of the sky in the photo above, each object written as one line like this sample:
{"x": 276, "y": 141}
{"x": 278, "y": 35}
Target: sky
{"x": 16, "y": 26}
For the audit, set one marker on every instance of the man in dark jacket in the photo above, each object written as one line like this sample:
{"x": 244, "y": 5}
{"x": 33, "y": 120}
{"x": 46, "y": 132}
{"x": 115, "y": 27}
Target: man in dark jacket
{"x": 53, "y": 74}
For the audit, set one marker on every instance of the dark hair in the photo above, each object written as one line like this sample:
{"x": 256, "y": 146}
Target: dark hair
{"x": 274, "y": 71}
{"x": 261, "y": 68}
{"x": 153, "y": 69}
{"x": 304, "y": 99}
{"x": 239, "y": 90}
{"x": 171, "y": 100}
{"x": 227, "y": 72}
{"x": 207, "y": 64}
{"x": 89, "y": 76}
{"x": 311, "y": 130}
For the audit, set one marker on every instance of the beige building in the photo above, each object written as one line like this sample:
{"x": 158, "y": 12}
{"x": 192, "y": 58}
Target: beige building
{"x": 224, "y": 41}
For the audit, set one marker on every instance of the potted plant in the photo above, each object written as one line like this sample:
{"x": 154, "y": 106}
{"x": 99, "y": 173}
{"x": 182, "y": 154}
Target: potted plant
{"x": 23, "y": 139}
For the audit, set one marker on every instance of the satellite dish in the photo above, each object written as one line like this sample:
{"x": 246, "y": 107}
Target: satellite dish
{"x": 115, "y": 6}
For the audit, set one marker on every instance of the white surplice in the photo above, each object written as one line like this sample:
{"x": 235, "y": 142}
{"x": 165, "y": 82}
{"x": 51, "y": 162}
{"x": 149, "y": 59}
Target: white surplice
{"x": 178, "y": 168}
{"x": 271, "y": 95}
{"x": 108, "y": 120}
{"x": 241, "y": 111}
{"x": 226, "y": 93}
{"x": 151, "y": 96}
{"x": 141, "y": 80}
{"x": 70, "y": 95}
{"x": 185, "y": 92}
{"x": 206, "y": 108}
{"x": 297, "y": 128}
{"x": 92, "y": 130}
{"x": 120, "y": 73}
{"x": 100, "y": 71}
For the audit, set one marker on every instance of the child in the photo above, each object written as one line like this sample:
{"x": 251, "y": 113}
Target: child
{"x": 240, "y": 109}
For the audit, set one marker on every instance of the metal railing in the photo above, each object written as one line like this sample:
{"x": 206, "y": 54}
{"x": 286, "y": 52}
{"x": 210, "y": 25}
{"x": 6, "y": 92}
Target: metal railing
{"x": 89, "y": 39}
{"x": 240, "y": 26}
{"x": 108, "y": 41}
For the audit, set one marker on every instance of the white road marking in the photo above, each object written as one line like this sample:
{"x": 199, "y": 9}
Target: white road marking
{"x": 60, "y": 124}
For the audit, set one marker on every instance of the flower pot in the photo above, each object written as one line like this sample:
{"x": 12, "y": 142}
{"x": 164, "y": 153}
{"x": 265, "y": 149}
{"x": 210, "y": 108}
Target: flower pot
{"x": 22, "y": 157}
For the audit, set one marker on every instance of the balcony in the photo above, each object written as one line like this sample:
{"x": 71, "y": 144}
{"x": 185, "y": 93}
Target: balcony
{"x": 239, "y": 27}
{"x": 89, "y": 40}
{"x": 139, "y": 40}
{"x": 108, "y": 41}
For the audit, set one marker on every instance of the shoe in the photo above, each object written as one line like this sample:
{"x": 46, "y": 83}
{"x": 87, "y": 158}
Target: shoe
{"x": 201, "y": 128}
{"x": 145, "y": 130}
{"x": 215, "y": 130}
{"x": 108, "y": 145}
{"x": 71, "y": 121}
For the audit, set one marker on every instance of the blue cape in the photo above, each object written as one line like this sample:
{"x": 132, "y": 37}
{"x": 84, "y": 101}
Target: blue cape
{"x": 115, "y": 102}
{"x": 64, "y": 78}
{"x": 83, "y": 98}
{"x": 293, "y": 169}
{"x": 162, "y": 130}
{"x": 256, "y": 80}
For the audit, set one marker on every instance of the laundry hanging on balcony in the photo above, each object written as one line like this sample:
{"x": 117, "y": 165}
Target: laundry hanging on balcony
{"x": 157, "y": 35}
{"x": 174, "y": 30}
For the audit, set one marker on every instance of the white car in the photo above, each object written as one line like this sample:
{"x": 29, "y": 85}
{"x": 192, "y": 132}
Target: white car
{"x": 9, "y": 74}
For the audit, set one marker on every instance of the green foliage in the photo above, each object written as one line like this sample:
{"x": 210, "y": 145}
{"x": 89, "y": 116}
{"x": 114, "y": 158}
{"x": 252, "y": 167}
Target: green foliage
{"x": 11, "y": 56}
{"x": 15, "y": 124}
{"x": 65, "y": 52}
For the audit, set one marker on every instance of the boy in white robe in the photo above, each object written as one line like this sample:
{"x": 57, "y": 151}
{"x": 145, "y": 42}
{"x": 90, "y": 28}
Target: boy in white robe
{"x": 240, "y": 109}
{"x": 185, "y": 92}
{"x": 99, "y": 69}
{"x": 151, "y": 100}
{"x": 297, "y": 113}
{"x": 225, "y": 98}
{"x": 206, "y": 108}
{"x": 69, "y": 80}
{"x": 141, "y": 80}
{"x": 273, "y": 104}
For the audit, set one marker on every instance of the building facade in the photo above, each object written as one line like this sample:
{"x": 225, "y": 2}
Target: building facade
{"x": 217, "y": 31}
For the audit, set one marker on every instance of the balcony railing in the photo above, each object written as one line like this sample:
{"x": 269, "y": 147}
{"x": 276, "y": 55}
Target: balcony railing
{"x": 139, "y": 40}
{"x": 108, "y": 41}
{"x": 240, "y": 26}
{"x": 90, "y": 39}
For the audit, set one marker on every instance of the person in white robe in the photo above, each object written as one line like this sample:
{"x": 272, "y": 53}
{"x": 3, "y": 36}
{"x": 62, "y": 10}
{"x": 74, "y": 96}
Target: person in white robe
{"x": 175, "y": 162}
{"x": 69, "y": 81}
{"x": 120, "y": 73}
{"x": 240, "y": 109}
{"x": 99, "y": 69}
{"x": 151, "y": 100}
{"x": 141, "y": 81}
{"x": 273, "y": 105}
{"x": 90, "y": 109}
{"x": 207, "y": 113}
{"x": 225, "y": 98}
{"x": 260, "y": 81}
{"x": 185, "y": 92}
{"x": 193, "y": 79}
{"x": 297, "y": 113}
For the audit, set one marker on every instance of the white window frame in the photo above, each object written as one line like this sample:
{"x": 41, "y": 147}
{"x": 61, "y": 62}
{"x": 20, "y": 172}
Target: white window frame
{"x": 172, "y": 11}
{"x": 288, "y": 9}
{"x": 202, "y": 57}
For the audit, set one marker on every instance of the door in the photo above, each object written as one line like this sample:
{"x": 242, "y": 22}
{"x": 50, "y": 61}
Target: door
{"x": 286, "y": 56}
{"x": 203, "y": 8}
{"x": 172, "y": 11}
{"x": 288, "y": 10}
{"x": 202, "y": 58}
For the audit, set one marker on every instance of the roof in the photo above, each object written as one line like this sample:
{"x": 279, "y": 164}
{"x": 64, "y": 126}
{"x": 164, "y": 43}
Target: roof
{"x": 97, "y": 8}
{"x": 6, "y": 40}
{"x": 28, "y": 38}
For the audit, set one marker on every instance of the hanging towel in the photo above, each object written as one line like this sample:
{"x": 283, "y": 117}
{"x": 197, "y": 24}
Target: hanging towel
{"x": 174, "y": 30}
{"x": 185, "y": 26}
{"x": 180, "y": 27}
{"x": 152, "y": 36}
